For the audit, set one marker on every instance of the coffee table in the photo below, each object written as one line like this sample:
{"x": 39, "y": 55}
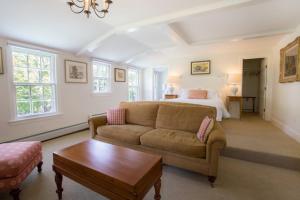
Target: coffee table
{"x": 115, "y": 172}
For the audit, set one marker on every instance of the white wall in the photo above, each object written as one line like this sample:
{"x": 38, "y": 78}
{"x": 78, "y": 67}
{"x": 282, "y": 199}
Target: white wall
{"x": 286, "y": 96}
{"x": 76, "y": 102}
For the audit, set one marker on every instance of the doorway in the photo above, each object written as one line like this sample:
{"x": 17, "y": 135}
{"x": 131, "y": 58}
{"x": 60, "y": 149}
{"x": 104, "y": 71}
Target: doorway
{"x": 254, "y": 86}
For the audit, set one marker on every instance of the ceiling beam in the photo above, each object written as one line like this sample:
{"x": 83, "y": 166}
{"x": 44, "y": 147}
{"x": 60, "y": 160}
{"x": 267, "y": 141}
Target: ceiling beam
{"x": 92, "y": 46}
{"x": 167, "y": 18}
{"x": 176, "y": 37}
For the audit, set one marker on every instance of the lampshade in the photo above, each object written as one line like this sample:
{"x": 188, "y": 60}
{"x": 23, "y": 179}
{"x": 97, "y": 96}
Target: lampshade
{"x": 173, "y": 79}
{"x": 234, "y": 79}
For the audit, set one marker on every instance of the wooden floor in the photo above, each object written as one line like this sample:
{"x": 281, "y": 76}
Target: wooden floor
{"x": 254, "y": 139}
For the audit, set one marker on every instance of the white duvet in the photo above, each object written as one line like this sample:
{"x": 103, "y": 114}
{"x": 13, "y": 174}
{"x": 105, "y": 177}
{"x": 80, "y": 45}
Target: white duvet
{"x": 214, "y": 102}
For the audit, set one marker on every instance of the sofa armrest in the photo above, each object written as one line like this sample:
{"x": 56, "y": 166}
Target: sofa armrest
{"x": 95, "y": 122}
{"x": 216, "y": 142}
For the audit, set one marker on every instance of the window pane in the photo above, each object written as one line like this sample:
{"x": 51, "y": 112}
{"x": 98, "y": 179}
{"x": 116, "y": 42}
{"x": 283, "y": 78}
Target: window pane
{"x": 48, "y": 93}
{"x": 95, "y": 86}
{"x": 133, "y": 78}
{"x": 100, "y": 70}
{"x": 37, "y": 92}
{"x": 23, "y": 108}
{"x": 34, "y": 61}
{"x": 22, "y": 93}
{"x": 46, "y": 62}
{"x": 48, "y": 106}
{"x": 37, "y": 107}
{"x": 20, "y": 75}
{"x": 19, "y": 59}
{"x": 34, "y": 76}
{"x": 132, "y": 94}
{"x": 102, "y": 85}
{"x": 45, "y": 75}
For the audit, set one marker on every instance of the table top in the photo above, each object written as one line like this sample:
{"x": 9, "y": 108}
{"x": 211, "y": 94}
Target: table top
{"x": 121, "y": 163}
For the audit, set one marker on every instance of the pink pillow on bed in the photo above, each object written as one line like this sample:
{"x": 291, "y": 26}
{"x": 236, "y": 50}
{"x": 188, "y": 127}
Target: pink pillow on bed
{"x": 116, "y": 116}
{"x": 197, "y": 94}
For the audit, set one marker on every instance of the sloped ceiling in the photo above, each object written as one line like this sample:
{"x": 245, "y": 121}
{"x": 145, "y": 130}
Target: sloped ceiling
{"x": 139, "y": 32}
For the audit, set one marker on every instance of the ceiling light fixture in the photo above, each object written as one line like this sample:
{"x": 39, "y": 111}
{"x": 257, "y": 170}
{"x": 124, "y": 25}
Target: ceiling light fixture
{"x": 85, "y": 6}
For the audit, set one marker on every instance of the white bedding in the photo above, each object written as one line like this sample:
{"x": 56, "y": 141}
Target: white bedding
{"x": 214, "y": 102}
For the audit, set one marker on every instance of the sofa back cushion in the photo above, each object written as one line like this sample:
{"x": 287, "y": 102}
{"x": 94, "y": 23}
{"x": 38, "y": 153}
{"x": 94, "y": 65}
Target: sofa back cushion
{"x": 181, "y": 116}
{"x": 140, "y": 113}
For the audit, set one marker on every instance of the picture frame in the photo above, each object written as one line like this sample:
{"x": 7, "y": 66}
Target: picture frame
{"x": 76, "y": 72}
{"x": 200, "y": 67}
{"x": 120, "y": 75}
{"x": 1, "y": 62}
{"x": 290, "y": 62}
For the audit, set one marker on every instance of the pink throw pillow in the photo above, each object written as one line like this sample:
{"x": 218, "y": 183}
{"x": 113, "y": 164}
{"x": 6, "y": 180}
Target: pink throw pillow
{"x": 197, "y": 94}
{"x": 116, "y": 116}
{"x": 205, "y": 129}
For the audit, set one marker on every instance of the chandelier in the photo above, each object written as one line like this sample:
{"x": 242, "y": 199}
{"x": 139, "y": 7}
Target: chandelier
{"x": 85, "y": 6}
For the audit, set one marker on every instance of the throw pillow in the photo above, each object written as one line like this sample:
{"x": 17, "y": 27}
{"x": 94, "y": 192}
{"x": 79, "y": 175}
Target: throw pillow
{"x": 197, "y": 94}
{"x": 205, "y": 129}
{"x": 116, "y": 116}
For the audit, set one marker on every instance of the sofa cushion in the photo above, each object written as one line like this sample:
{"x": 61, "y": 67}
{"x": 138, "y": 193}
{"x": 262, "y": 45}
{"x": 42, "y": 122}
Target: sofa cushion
{"x": 16, "y": 156}
{"x": 175, "y": 141}
{"x": 184, "y": 117}
{"x": 140, "y": 113}
{"x": 124, "y": 133}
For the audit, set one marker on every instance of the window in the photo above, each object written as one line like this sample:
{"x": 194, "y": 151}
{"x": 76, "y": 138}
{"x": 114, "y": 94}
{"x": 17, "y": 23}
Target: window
{"x": 133, "y": 85}
{"x": 34, "y": 82}
{"x": 102, "y": 77}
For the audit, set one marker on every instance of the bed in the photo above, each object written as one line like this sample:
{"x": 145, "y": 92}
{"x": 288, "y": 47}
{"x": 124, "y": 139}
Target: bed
{"x": 213, "y": 100}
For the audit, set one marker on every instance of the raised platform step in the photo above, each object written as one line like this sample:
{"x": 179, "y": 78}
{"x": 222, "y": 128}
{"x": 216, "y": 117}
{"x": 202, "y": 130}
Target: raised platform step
{"x": 263, "y": 158}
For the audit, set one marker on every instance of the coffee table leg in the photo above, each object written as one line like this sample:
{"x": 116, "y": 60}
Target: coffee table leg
{"x": 157, "y": 187}
{"x": 58, "y": 181}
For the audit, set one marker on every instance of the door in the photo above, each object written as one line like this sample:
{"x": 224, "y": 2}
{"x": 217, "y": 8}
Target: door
{"x": 263, "y": 88}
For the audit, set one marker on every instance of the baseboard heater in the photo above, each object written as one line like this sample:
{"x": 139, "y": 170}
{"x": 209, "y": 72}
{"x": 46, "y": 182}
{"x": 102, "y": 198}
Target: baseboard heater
{"x": 48, "y": 135}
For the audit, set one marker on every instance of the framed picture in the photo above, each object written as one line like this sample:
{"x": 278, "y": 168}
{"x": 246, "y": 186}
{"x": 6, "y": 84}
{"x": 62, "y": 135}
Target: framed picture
{"x": 120, "y": 75}
{"x": 76, "y": 72}
{"x": 1, "y": 62}
{"x": 200, "y": 67}
{"x": 290, "y": 62}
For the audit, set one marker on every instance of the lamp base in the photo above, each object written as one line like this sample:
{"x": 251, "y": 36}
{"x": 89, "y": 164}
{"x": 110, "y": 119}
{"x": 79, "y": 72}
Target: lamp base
{"x": 234, "y": 90}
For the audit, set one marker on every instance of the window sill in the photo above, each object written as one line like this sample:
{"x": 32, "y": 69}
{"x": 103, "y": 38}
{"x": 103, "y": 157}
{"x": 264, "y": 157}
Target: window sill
{"x": 34, "y": 118}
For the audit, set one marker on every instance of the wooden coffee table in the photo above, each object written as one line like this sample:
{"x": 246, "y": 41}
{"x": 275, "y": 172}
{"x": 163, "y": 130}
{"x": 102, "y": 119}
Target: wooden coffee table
{"x": 115, "y": 172}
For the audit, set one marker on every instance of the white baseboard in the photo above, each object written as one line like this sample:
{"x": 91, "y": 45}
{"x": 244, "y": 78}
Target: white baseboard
{"x": 55, "y": 133}
{"x": 286, "y": 128}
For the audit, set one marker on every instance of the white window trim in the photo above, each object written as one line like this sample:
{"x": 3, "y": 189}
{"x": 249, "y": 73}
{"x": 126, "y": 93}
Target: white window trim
{"x": 12, "y": 88}
{"x": 139, "y": 87}
{"x": 109, "y": 79}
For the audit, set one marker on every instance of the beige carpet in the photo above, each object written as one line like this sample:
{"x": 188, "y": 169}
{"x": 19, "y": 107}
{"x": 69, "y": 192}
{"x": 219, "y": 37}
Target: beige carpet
{"x": 238, "y": 180}
{"x": 253, "y": 133}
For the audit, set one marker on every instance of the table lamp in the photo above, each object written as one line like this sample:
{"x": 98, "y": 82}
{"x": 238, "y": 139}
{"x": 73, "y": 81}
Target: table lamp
{"x": 234, "y": 80}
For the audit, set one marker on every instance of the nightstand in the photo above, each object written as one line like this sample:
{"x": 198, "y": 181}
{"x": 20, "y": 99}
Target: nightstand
{"x": 171, "y": 96}
{"x": 234, "y": 105}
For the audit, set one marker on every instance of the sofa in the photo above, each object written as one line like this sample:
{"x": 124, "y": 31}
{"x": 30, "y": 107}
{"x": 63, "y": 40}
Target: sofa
{"x": 168, "y": 129}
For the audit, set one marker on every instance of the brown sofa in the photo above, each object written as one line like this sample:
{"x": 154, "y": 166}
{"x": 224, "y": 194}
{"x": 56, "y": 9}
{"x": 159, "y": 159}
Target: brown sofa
{"x": 168, "y": 129}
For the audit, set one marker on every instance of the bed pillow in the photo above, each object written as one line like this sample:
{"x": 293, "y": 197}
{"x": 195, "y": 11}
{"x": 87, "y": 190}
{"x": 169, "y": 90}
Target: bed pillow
{"x": 212, "y": 94}
{"x": 205, "y": 129}
{"x": 116, "y": 116}
{"x": 197, "y": 94}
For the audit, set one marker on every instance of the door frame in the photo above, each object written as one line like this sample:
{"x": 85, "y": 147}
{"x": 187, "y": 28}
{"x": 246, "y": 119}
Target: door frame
{"x": 268, "y": 83}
